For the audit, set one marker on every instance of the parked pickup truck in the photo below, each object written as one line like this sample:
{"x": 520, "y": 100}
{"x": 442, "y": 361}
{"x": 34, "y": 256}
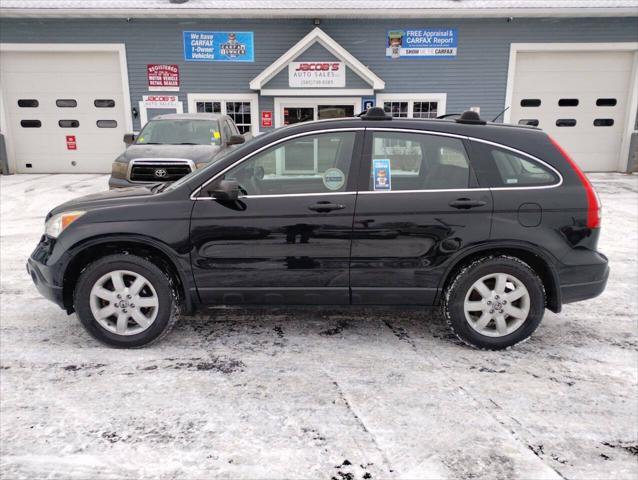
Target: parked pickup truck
{"x": 172, "y": 146}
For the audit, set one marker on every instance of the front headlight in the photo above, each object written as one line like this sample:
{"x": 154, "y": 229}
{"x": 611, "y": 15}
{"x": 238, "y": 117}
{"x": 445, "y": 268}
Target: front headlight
{"x": 119, "y": 169}
{"x": 58, "y": 223}
{"x": 201, "y": 165}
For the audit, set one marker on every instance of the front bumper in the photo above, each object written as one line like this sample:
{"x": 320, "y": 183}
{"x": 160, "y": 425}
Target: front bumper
{"x": 42, "y": 277}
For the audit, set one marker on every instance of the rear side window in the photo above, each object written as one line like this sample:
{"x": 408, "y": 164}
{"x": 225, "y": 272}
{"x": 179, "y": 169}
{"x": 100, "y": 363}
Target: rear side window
{"x": 414, "y": 161}
{"x": 509, "y": 169}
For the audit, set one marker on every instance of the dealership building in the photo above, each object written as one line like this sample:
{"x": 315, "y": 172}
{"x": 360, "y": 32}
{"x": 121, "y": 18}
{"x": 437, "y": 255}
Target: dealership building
{"x": 75, "y": 76}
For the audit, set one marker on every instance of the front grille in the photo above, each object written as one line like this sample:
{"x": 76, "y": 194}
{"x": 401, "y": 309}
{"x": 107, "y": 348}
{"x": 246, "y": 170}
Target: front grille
{"x": 158, "y": 172}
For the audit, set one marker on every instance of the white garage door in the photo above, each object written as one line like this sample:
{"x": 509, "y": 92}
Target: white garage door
{"x": 65, "y": 110}
{"x": 579, "y": 98}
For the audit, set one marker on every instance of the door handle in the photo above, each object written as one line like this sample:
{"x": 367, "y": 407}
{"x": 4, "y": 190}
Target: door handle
{"x": 466, "y": 203}
{"x": 324, "y": 207}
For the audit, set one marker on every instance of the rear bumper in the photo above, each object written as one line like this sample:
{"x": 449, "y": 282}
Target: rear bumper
{"x": 584, "y": 281}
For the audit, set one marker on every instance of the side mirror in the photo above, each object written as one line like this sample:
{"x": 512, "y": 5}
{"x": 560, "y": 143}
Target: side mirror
{"x": 235, "y": 140}
{"x": 129, "y": 138}
{"x": 226, "y": 190}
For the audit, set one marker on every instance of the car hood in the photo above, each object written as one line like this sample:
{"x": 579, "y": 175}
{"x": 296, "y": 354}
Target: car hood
{"x": 102, "y": 199}
{"x": 196, "y": 153}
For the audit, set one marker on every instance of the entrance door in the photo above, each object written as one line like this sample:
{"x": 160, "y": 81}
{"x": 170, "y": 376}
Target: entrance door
{"x": 294, "y": 115}
{"x": 289, "y": 111}
{"x": 287, "y": 239}
{"x": 415, "y": 209}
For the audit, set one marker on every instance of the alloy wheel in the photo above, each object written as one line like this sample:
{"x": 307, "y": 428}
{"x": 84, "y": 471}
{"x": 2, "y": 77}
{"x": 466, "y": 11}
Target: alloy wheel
{"x": 496, "y": 304}
{"x": 124, "y": 302}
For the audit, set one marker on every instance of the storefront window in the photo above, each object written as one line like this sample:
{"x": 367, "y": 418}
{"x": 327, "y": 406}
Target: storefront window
{"x": 424, "y": 110}
{"x": 209, "y": 107}
{"x": 238, "y": 111}
{"x": 411, "y": 109}
{"x": 396, "y": 109}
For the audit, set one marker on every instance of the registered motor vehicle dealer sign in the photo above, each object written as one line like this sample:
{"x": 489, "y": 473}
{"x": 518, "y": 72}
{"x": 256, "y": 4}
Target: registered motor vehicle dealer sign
{"x": 317, "y": 74}
{"x": 162, "y": 77}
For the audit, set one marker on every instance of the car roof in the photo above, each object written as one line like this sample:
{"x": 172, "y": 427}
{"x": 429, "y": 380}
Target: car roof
{"x": 190, "y": 116}
{"x": 528, "y": 139}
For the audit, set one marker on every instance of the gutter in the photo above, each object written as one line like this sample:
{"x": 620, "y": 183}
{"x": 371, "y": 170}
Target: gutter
{"x": 369, "y": 13}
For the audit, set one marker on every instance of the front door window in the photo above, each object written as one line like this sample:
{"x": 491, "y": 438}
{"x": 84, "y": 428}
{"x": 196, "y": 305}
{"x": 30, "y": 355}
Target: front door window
{"x": 312, "y": 164}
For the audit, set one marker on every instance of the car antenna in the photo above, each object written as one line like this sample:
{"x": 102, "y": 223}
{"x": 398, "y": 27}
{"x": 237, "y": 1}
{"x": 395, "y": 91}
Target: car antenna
{"x": 506, "y": 109}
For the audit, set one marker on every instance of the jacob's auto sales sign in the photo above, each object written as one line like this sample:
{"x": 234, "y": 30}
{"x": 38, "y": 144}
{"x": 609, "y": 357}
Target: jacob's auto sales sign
{"x": 317, "y": 74}
{"x": 162, "y": 77}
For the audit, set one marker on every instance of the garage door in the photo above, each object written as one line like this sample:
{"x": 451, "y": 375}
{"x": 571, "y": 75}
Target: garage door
{"x": 65, "y": 110}
{"x": 580, "y": 98}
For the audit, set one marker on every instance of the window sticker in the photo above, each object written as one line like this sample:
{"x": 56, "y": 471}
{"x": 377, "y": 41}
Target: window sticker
{"x": 333, "y": 179}
{"x": 382, "y": 174}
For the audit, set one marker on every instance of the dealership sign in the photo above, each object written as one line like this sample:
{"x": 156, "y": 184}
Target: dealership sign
{"x": 428, "y": 42}
{"x": 160, "y": 101}
{"x": 218, "y": 47}
{"x": 162, "y": 77}
{"x": 317, "y": 74}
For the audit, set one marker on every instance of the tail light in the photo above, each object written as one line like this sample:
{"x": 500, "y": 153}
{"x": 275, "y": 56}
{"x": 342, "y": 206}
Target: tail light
{"x": 593, "y": 203}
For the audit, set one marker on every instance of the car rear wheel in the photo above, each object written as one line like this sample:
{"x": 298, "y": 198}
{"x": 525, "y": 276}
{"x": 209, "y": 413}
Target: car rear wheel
{"x": 125, "y": 301}
{"x": 495, "y": 302}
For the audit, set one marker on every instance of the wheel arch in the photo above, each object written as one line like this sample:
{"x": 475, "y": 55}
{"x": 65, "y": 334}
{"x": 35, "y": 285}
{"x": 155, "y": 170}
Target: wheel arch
{"x": 541, "y": 262}
{"x": 89, "y": 250}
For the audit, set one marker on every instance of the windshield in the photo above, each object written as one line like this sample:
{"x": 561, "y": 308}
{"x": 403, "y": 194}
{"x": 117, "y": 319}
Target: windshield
{"x": 180, "y": 132}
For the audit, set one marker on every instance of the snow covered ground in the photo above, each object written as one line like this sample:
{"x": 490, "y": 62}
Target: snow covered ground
{"x": 302, "y": 393}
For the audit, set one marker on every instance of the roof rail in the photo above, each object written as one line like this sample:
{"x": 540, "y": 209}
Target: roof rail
{"x": 375, "y": 113}
{"x": 471, "y": 118}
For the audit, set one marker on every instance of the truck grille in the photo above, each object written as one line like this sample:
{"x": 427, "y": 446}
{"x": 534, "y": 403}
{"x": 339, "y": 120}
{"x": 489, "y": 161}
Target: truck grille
{"x": 159, "y": 172}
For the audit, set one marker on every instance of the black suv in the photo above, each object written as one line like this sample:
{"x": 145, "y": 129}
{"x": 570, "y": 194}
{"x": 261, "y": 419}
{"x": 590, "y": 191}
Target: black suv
{"x": 494, "y": 223}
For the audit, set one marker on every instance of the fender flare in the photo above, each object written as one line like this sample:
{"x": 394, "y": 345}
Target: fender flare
{"x": 186, "y": 278}
{"x": 554, "y": 301}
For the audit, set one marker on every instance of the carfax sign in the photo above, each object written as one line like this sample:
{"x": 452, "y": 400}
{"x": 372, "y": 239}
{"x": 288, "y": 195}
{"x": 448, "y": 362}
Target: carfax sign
{"x": 427, "y": 42}
{"x": 218, "y": 47}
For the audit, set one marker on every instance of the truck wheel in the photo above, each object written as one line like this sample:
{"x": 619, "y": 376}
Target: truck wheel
{"x": 125, "y": 301}
{"x": 495, "y": 302}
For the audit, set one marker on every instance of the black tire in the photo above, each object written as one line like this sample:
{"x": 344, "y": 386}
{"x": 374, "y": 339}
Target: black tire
{"x": 454, "y": 298}
{"x": 167, "y": 312}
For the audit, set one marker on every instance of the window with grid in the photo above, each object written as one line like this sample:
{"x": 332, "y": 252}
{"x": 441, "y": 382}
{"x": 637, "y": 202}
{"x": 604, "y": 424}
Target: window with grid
{"x": 209, "y": 107}
{"x": 425, "y": 109}
{"x": 240, "y": 113}
{"x": 396, "y": 109}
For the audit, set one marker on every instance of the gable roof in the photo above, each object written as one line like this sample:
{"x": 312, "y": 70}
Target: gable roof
{"x": 317, "y": 36}
{"x": 318, "y": 8}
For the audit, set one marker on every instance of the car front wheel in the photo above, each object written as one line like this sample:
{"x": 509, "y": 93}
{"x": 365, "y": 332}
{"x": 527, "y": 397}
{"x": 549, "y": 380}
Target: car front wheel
{"x": 495, "y": 302}
{"x": 125, "y": 301}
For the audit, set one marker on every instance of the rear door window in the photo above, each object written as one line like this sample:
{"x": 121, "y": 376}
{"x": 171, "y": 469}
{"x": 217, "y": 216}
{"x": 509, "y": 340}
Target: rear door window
{"x": 505, "y": 168}
{"x": 415, "y": 161}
